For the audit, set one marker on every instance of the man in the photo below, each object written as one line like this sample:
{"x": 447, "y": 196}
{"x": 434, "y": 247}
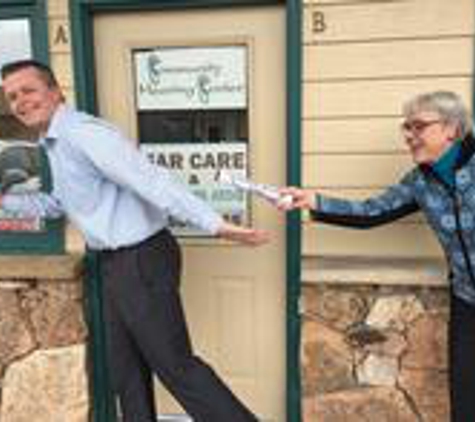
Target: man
{"x": 121, "y": 203}
{"x": 437, "y": 130}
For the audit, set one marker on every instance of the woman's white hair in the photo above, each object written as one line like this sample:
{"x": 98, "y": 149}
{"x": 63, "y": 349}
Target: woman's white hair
{"x": 447, "y": 104}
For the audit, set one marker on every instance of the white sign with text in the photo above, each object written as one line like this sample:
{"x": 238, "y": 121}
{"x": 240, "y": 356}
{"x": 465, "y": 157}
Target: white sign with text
{"x": 198, "y": 165}
{"x": 191, "y": 78}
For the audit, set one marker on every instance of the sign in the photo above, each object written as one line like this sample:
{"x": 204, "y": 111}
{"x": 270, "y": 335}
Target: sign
{"x": 198, "y": 166}
{"x": 191, "y": 78}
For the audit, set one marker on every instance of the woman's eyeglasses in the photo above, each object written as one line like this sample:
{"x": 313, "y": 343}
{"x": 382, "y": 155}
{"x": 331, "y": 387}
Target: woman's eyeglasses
{"x": 416, "y": 126}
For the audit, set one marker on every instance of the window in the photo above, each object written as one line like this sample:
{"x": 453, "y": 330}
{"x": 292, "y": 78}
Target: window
{"x": 192, "y": 115}
{"x": 22, "y": 169}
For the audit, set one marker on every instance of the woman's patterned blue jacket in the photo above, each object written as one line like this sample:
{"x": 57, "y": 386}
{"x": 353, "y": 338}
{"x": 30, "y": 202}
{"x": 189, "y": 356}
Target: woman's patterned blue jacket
{"x": 450, "y": 212}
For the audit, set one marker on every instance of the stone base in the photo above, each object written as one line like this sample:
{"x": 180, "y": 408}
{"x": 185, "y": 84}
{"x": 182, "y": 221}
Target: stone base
{"x": 42, "y": 340}
{"x": 374, "y": 353}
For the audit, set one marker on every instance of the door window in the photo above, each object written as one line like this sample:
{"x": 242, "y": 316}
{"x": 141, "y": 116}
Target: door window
{"x": 192, "y": 115}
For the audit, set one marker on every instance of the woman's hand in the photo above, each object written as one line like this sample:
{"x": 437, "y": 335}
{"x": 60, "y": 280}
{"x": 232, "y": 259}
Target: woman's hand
{"x": 301, "y": 199}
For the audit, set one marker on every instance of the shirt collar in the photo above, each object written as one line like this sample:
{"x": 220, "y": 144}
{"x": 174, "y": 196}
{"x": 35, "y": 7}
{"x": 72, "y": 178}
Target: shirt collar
{"x": 57, "y": 121}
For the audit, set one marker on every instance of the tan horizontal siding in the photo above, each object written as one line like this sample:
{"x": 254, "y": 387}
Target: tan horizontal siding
{"x": 362, "y": 60}
{"x": 373, "y": 97}
{"x": 354, "y": 170}
{"x": 395, "y": 59}
{"x": 348, "y": 22}
{"x": 397, "y": 239}
{"x": 371, "y": 135}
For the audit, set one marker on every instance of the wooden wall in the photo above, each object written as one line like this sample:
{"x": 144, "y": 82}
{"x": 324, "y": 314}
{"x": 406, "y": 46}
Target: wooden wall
{"x": 60, "y": 45}
{"x": 362, "y": 60}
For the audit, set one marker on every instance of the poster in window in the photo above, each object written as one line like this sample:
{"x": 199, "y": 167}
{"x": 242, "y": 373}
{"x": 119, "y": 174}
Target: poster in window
{"x": 19, "y": 155}
{"x": 198, "y": 166}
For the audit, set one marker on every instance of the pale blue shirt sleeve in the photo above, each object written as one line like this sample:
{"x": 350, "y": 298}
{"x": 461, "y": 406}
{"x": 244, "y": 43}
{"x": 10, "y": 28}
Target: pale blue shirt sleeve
{"x": 32, "y": 204}
{"x": 119, "y": 160}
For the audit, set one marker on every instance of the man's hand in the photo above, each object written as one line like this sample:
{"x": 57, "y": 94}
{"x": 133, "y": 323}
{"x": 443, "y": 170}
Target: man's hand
{"x": 301, "y": 199}
{"x": 245, "y": 235}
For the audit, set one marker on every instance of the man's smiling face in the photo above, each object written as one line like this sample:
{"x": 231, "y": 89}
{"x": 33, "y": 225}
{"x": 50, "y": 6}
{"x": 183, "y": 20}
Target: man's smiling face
{"x": 31, "y": 99}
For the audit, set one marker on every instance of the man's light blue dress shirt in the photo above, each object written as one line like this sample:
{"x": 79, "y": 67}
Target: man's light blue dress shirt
{"x": 106, "y": 187}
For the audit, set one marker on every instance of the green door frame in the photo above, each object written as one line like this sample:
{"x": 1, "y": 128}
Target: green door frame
{"x": 82, "y": 12}
{"x": 51, "y": 239}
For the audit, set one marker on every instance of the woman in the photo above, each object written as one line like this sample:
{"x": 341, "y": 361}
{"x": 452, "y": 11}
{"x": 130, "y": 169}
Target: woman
{"x": 437, "y": 130}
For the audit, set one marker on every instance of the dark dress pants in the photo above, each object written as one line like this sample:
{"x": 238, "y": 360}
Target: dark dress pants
{"x": 146, "y": 334}
{"x": 462, "y": 361}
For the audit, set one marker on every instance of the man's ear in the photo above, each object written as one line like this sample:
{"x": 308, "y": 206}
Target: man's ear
{"x": 59, "y": 96}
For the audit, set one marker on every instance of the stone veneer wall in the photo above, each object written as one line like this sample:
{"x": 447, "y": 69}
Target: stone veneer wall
{"x": 42, "y": 340}
{"x": 374, "y": 353}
